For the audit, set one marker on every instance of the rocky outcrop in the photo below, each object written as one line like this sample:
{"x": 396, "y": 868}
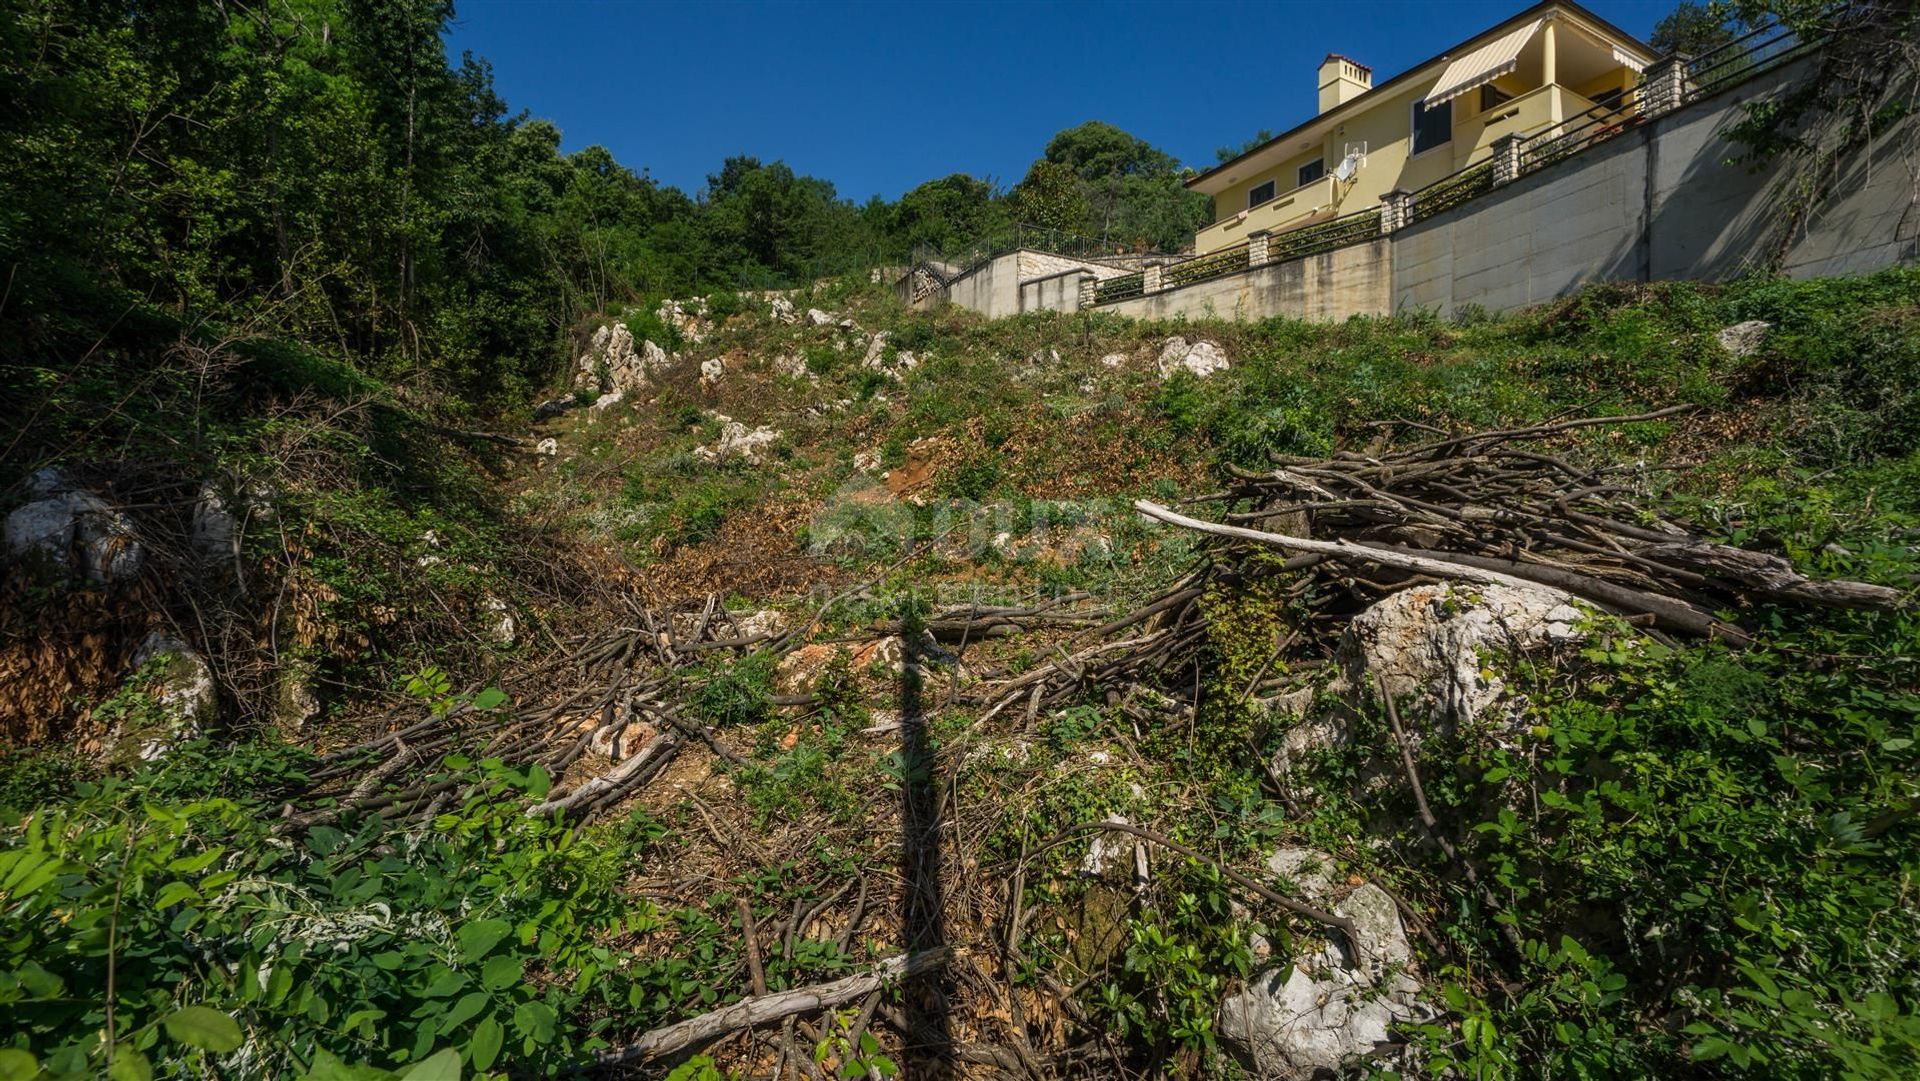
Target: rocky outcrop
{"x": 794, "y": 366}
{"x": 178, "y": 704}
{"x": 1744, "y": 339}
{"x": 607, "y": 401}
{"x": 73, "y": 530}
{"x": 738, "y": 441}
{"x": 782, "y": 310}
{"x": 503, "y": 628}
{"x": 1438, "y": 646}
{"x": 625, "y": 365}
{"x": 1332, "y": 1005}
{"x": 711, "y": 370}
{"x": 1202, "y": 358}
{"x": 689, "y": 323}
{"x": 818, "y": 318}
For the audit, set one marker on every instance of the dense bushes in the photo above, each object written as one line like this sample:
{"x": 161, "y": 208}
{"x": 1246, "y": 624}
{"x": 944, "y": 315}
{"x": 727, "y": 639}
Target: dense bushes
{"x": 348, "y": 940}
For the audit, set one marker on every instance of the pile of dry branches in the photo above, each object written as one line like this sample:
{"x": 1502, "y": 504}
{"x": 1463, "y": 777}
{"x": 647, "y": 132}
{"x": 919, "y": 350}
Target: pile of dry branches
{"x": 1514, "y": 507}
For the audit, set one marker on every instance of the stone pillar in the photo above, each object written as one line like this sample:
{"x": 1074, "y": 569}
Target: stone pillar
{"x": 1506, "y": 159}
{"x": 1663, "y": 86}
{"x": 1257, "y": 247}
{"x": 1089, "y": 286}
{"x": 1150, "y": 278}
{"x": 1394, "y": 208}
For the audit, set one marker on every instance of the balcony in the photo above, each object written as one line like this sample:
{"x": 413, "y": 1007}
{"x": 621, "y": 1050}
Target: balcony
{"x": 1308, "y": 203}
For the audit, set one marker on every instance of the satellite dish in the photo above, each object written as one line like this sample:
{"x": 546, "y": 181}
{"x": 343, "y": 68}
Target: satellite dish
{"x": 1345, "y": 170}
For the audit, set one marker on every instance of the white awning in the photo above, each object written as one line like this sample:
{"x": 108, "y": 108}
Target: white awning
{"x": 1627, "y": 59}
{"x": 1483, "y": 65}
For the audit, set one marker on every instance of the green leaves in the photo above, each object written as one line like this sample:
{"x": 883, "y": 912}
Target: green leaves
{"x": 477, "y": 938}
{"x": 485, "y": 1048}
{"x": 128, "y": 1065}
{"x": 205, "y": 1028}
{"x": 17, "y": 1065}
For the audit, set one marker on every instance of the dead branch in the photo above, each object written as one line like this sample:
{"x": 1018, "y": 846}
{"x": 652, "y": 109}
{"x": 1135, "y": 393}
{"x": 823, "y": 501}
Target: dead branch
{"x": 765, "y": 1009}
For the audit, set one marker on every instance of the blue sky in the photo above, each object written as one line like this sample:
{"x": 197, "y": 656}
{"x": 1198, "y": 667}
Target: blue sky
{"x": 878, "y": 97}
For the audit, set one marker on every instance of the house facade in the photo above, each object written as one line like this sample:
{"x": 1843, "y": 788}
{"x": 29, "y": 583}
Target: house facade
{"x": 1555, "y": 65}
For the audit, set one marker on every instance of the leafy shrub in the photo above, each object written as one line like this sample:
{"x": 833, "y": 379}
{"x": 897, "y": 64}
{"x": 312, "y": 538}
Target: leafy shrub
{"x": 645, "y": 324}
{"x": 723, "y": 303}
{"x": 739, "y": 694}
{"x": 347, "y": 944}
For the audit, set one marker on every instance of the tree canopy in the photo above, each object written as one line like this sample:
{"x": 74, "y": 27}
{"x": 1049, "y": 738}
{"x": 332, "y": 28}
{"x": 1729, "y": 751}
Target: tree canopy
{"x": 318, "y": 169}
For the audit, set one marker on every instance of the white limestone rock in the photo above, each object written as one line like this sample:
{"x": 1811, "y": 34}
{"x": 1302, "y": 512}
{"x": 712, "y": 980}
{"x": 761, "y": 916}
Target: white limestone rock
{"x": 738, "y": 441}
{"x": 213, "y": 528}
{"x": 711, "y": 371}
{"x": 1744, "y": 339}
{"x": 1332, "y": 1007}
{"x": 183, "y": 689}
{"x": 782, "y": 309}
{"x": 502, "y": 627}
{"x": 294, "y": 702}
{"x": 794, "y": 366}
{"x": 1114, "y": 360}
{"x": 653, "y": 360}
{"x": 692, "y": 325}
{"x": 548, "y": 447}
{"x": 74, "y": 530}
{"x": 607, "y": 401}
{"x": 766, "y": 622}
{"x": 819, "y": 318}
{"x": 1433, "y": 644}
{"x": 1108, "y": 846}
{"x": 1202, "y": 358}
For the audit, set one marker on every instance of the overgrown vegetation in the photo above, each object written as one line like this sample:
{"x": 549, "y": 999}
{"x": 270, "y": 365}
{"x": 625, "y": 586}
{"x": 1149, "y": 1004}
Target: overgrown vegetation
{"x": 296, "y": 257}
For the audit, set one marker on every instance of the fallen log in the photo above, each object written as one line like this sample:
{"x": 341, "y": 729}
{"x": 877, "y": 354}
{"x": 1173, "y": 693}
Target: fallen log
{"x": 763, "y": 1009}
{"x": 1772, "y": 576}
{"x": 1345, "y": 550}
{"x": 659, "y": 748}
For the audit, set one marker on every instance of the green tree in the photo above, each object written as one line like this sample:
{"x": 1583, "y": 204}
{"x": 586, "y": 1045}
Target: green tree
{"x": 1694, "y": 28}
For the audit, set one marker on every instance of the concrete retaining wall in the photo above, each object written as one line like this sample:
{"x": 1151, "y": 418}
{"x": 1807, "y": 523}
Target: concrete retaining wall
{"x": 992, "y": 288}
{"x": 1663, "y": 201}
{"x": 1328, "y": 287}
{"x": 1055, "y": 293}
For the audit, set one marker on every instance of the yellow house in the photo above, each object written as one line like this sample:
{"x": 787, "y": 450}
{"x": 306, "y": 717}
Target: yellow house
{"x": 1552, "y": 67}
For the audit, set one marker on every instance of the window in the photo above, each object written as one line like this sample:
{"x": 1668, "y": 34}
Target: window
{"x": 1259, "y": 193}
{"x": 1610, "y": 99}
{"x": 1311, "y": 172}
{"x": 1432, "y": 126}
{"x": 1492, "y": 96}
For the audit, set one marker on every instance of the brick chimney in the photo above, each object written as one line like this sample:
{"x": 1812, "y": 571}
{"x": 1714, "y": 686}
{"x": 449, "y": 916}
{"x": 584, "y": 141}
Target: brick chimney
{"x": 1342, "y": 79}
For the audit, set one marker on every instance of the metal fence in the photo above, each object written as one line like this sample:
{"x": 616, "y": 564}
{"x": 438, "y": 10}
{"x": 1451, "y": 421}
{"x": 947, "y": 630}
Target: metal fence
{"x": 1341, "y": 232}
{"x": 1124, "y": 287}
{"x": 1450, "y": 191}
{"x": 1214, "y": 264}
{"x": 1761, "y": 49}
{"x": 1576, "y": 133}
